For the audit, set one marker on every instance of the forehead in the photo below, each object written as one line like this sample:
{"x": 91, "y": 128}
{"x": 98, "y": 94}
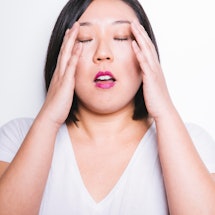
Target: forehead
{"x": 107, "y": 11}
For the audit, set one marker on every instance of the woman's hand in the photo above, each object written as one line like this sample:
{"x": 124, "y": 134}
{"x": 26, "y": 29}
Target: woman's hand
{"x": 155, "y": 91}
{"x": 60, "y": 93}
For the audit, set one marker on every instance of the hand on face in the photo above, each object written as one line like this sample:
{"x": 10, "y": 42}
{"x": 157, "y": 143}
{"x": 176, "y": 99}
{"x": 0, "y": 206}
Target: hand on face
{"x": 60, "y": 94}
{"x": 155, "y": 91}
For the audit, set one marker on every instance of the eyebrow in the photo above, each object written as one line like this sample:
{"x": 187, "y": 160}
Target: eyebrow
{"x": 122, "y": 22}
{"x": 114, "y": 23}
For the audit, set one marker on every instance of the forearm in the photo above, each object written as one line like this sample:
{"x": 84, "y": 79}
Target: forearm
{"x": 190, "y": 188}
{"x": 23, "y": 183}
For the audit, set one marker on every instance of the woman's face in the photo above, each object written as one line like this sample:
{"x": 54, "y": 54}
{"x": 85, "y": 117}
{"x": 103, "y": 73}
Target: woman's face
{"x": 107, "y": 75}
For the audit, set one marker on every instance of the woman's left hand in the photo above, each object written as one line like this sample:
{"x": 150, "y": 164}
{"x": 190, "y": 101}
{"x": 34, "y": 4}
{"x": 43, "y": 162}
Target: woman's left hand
{"x": 156, "y": 95}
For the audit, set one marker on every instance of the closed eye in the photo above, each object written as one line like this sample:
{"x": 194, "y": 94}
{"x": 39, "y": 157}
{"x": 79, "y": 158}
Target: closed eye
{"x": 121, "y": 39}
{"x": 85, "y": 40}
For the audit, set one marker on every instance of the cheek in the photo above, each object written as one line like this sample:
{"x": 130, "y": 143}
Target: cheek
{"x": 123, "y": 56}
{"x": 133, "y": 69}
{"x": 126, "y": 53}
{"x": 129, "y": 61}
{"x": 84, "y": 63}
{"x": 86, "y": 56}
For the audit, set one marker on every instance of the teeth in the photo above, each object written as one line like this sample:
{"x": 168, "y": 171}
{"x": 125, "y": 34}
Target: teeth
{"x": 104, "y": 78}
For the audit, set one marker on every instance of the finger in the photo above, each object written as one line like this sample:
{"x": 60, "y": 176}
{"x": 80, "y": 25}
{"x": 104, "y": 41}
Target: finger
{"x": 67, "y": 47}
{"x": 147, "y": 55}
{"x": 144, "y": 65}
{"x": 73, "y": 61}
{"x": 144, "y": 42}
{"x": 141, "y": 34}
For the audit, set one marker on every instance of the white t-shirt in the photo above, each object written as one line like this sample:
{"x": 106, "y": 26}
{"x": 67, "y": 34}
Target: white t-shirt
{"x": 139, "y": 191}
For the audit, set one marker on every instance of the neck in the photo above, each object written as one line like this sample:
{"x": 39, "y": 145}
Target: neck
{"x": 101, "y": 128}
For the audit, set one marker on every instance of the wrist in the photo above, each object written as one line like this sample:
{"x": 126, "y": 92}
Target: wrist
{"x": 169, "y": 112}
{"x": 43, "y": 121}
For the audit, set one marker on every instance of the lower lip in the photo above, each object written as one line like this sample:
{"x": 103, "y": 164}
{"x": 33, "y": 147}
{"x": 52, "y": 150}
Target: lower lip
{"x": 105, "y": 85}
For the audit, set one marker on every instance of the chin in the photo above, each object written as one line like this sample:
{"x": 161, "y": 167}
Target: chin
{"x": 109, "y": 109}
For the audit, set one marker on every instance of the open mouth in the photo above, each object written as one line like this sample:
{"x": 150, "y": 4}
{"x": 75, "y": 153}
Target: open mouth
{"x": 104, "y": 80}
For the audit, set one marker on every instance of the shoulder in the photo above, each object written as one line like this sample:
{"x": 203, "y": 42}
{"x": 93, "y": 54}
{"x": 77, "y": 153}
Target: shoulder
{"x": 204, "y": 144}
{"x": 12, "y": 135}
{"x": 17, "y": 125}
{"x": 199, "y": 135}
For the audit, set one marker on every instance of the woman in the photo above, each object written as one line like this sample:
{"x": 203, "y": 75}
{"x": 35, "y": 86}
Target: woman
{"x": 124, "y": 148}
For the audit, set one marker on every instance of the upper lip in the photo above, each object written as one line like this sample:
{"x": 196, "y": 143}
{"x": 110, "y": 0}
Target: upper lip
{"x": 104, "y": 73}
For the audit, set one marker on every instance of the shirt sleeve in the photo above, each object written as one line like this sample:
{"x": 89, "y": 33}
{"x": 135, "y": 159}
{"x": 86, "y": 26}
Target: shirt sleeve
{"x": 204, "y": 144}
{"x": 12, "y": 135}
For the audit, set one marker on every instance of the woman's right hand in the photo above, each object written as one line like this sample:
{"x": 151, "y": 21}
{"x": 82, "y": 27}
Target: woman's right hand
{"x": 60, "y": 93}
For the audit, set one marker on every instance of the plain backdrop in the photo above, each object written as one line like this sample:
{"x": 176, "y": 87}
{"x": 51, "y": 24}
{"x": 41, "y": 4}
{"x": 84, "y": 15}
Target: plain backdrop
{"x": 185, "y": 34}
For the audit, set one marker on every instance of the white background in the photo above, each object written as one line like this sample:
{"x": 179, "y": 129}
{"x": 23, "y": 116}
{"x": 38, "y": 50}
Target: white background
{"x": 185, "y": 34}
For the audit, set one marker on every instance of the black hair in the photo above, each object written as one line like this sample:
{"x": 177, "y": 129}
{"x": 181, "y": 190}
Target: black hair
{"x": 71, "y": 12}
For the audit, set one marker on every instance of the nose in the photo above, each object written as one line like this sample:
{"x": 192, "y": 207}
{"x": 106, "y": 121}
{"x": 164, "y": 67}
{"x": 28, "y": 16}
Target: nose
{"x": 103, "y": 52}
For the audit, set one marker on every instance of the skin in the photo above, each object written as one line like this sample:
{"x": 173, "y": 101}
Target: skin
{"x": 105, "y": 120}
{"x": 107, "y": 47}
{"x": 105, "y": 124}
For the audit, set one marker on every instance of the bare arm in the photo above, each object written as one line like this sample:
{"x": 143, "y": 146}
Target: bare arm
{"x": 3, "y": 167}
{"x": 213, "y": 176}
{"x": 190, "y": 187}
{"x": 23, "y": 181}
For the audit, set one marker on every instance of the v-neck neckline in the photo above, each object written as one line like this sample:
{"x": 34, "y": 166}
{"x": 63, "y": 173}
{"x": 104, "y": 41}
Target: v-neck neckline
{"x": 121, "y": 179}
